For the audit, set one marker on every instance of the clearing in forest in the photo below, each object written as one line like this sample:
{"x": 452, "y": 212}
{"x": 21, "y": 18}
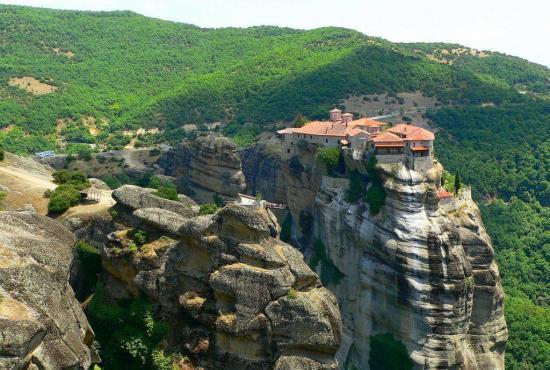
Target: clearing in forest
{"x": 32, "y": 85}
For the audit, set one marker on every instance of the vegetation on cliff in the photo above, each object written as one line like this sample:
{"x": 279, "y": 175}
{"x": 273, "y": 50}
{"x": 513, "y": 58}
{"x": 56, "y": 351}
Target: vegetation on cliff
{"x": 129, "y": 333}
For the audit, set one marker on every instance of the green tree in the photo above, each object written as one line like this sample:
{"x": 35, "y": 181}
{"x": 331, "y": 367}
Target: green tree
{"x": 300, "y": 121}
{"x": 329, "y": 157}
{"x": 458, "y": 184}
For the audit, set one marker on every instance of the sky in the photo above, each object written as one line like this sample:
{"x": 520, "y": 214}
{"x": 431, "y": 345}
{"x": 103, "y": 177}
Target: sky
{"x": 520, "y": 28}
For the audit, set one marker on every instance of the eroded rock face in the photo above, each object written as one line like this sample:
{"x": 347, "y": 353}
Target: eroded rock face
{"x": 423, "y": 271}
{"x": 249, "y": 299}
{"x": 210, "y": 164}
{"x": 41, "y": 323}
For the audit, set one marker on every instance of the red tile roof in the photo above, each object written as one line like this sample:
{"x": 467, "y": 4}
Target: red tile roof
{"x": 419, "y": 148}
{"x": 411, "y": 132}
{"x": 442, "y": 193}
{"x": 366, "y": 122}
{"x": 387, "y": 137}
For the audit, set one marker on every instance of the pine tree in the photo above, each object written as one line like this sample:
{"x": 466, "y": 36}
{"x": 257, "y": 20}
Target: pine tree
{"x": 458, "y": 184}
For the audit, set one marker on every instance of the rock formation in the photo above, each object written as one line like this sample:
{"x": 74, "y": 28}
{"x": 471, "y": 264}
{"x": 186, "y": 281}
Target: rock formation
{"x": 41, "y": 323}
{"x": 208, "y": 165}
{"x": 240, "y": 298}
{"x": 423, "y": 271}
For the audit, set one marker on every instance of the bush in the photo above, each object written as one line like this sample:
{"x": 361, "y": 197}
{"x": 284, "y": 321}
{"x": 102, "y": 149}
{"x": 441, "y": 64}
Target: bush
{"x": 167, "y": 192}
{"x": 58, "y": 204}
{"x": 2, "y": 154}
{"x": 127, "y": 331}
{"x": 217, "y": 200}
{"x": 329, "y": 273}
{"x": 90, "y": 263}
{"x": 356, "y": 188}
{"x": 330, "y": 157}
{"x": 154, "y": 152}
{"x": 140, "y": 237}
{"x": 71, "y": 177}
{"x": 286, "y": 228}
{"x": 376, "y": 195}
{"x": 387, "y": 353}
{"x": 207, "y": 209}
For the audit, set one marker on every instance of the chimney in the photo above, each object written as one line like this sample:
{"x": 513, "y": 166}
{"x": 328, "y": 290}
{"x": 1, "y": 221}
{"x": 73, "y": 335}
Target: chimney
{"x": 347, "y": 117}
{"x": 335, "y": 115}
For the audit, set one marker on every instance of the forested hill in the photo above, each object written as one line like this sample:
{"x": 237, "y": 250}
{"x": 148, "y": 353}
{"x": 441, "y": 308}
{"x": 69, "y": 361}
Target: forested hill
{"x": 70, "y": 78}
{"x": 128, "y": 71}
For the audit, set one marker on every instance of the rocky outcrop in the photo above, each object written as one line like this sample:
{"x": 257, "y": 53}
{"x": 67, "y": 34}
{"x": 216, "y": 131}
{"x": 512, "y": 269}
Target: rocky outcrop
{"x": 135, "y": 197}
{"x": 208, "y": 165}
{"x": 41, "y": 323}
{"x": 240, "y": 298}
{"x": 423, "y": 271}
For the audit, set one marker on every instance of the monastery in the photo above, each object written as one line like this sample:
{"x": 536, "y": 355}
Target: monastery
{"x": 402, "y": 143}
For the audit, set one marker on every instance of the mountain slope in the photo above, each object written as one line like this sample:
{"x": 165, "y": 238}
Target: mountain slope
{"x": 129, "y": 71}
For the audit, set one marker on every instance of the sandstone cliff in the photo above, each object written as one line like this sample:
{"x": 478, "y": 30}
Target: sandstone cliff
{"x": 239, "y": 297}
{"x": 41, "y": 323}
{"x": 208, "y": 165}
{"x": 423, "y": 271}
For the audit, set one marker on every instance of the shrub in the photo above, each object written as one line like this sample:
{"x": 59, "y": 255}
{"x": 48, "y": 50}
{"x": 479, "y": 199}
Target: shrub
{"x": 58, "y": 204}
{"x": 329, "y": 273}
{"x": 140, "y": 237}
{"x": 154, "y": 152}
{"x": 114, "y": 213}
{"x": 217, "y": 200}
{"x": 330, "y": 157}
{"x": 167, "y": 192}
{"x": 127, "y": 331}
{"x": 2, "y": 154}
{"x": 286, "y": 228}
{"x": 2, "y": 196}
{"x": 292, "y": 294}
{"x": 387, "y": 353}
{"x": 356, "y": 188}
{"x": 376, "y": 195}
{"x": 207, "y": 209}
{"x": 90, "y": 262}
{"x": 76, "y": 178}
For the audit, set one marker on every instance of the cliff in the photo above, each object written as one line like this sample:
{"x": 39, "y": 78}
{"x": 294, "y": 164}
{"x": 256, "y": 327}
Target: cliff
{"x": 423, "y": 271}
{"x": 41, "y": 323}
{"x": 239, "y": 297}
{"x": 208, "y": 165}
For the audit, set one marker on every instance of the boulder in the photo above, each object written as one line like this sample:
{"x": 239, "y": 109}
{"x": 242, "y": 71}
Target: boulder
{"x": 41, "y": 323}
{"x": 135, "y": 197}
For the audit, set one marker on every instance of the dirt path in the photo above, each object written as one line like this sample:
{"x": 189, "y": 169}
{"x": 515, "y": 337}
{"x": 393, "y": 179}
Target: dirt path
{"x": 27, "y": 182}
{"x": 88, "y": 209}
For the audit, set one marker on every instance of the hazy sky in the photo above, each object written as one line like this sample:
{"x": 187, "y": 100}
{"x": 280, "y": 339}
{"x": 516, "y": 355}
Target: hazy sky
{"x": 517, "y": 27}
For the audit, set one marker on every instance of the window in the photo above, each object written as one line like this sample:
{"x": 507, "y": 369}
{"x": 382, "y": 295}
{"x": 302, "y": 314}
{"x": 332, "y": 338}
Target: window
{"x": 326, "y": 140}
{"x": 288, "y": 150}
